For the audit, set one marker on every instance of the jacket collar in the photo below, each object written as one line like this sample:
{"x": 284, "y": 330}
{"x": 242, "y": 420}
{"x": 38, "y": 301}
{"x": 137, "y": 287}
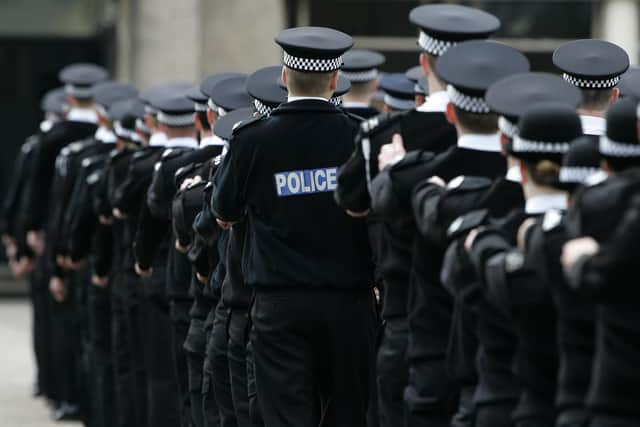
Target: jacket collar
{"x": 306, "y": 105}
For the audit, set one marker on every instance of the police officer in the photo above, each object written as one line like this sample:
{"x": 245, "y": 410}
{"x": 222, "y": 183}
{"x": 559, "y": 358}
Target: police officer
{"x": 421, "y": 85}
{"x": 399, "y": 92}
{"x": 598, "y": 216}
{"x": 595, "y": 67}
{"x": 308, "y": 307}
{"x": 21, "y": 257}
{"x": 361, "y": 69}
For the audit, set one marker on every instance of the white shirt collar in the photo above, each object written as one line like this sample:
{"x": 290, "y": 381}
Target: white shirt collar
{"x": 592, "y": 125}
{"x": 300, "y": 98}
{"x": 87, "y": 115}
{"x": 212, "y": 140}
{"x": 105, "y": 135}
{"x": 354, "y": 104}
{"x": 182, "y": 142}
{"x": 158, "y": 139}
{"x": 435, "y": 103}
{"x": 481, "y": 142}
{"x": 537, "y": 205}
{"x": 513, "y": 174}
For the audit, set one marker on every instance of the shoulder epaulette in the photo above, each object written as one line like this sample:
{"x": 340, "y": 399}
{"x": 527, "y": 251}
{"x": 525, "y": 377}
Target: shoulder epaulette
{"x": 552, "y": 219}
{"x": 467, "y": 222}
{"x": 140, "y": 154}
{"x": 468, "y": 183}
{"x": 247, "y": 123}
{"x": 596, "y": 179}
{"x": 184, "y": 170}
{"x": 380, "y": 122}
{"x": 113, "y": 153}
{"x": 94, "y": 178}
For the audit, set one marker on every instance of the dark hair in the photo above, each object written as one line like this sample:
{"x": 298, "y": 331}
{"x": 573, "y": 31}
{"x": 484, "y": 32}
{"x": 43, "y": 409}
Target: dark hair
{"x": 309, "y": 84}
{"x": 595, "y": 99}
{"x": 202, "y": 116}
{"x": 543, "y": 172}
{"x": 620, "y": 164}
{"x": 477, "y": 123}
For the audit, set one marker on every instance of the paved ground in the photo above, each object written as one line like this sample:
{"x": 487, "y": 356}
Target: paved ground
{"x": 17, "y": 407}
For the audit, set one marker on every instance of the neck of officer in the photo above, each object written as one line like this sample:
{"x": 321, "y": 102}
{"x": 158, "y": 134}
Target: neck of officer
{"x": 531, "y": 190}
{"x": 325, "y": 94}
{"x": 349, "y": 99}
{"x": 590, "y": 112}
{"x": 435, "y": 85}
{"x": 180, "y": 132}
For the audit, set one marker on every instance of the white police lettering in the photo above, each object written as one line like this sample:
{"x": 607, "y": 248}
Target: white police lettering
{"x": 308, "y": 181}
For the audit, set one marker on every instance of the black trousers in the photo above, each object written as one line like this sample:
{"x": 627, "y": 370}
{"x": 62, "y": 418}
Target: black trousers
{"x": 67, "y": 348}
{"x": 162, "y": 384}
{"x": 211, "y": 416}
{"x": 573, "y": 417}
{"x": 320, "y": 344}
{"x": 136, "y": 306}
{"x": 41, "y": 315}
{"x": 611, "y": 421}
{"x": 392, "y": 372}
{"x": 179, "y": 309}
{"x": 125, "y": 413}
{"x": 219, "y": 366}
{"x": 494, "y": 415}
{"x": 464, "y": 414}
{"x": 237, "y": 358}
{"x": 252, "y": 390}
{"x": 101, "y": 374}
{"x": 431, "y": 397}
{"x": 194, "y": 347}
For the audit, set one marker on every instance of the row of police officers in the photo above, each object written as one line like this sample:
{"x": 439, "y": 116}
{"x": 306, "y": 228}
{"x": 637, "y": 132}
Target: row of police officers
{"x": 273, "y": 250}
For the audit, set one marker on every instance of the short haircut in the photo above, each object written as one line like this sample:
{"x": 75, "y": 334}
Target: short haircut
{"x": 360, "y": 89}
{"x": 477, "y": 123}
{"x": 308, "y": 84}
{"x": 432, "y": 65}
{"x": 542, "y": 172}
{"x": 595, "y": 99}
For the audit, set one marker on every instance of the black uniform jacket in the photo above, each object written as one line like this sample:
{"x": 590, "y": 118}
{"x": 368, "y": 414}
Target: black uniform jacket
{"x": 279, "y": 176}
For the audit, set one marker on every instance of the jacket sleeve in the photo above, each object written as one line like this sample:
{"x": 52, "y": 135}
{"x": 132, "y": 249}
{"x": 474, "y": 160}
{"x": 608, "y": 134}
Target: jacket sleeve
{"x": 352, "y": 192}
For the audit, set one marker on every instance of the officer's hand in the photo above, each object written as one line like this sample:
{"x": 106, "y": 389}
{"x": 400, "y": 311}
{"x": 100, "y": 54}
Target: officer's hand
{"x": 105, "y": 220}
{"x": 470, "y": 239}
{"x": 357, "y": 214}
{"x": 575, "y": 249}
{"x": 58, "y": 289}
{"x": 22, "y": 267}
{"x": 190, "y": 182}
{"x": 99, "y": 281}
{"x": 225, "y": 225}
{"x": 202, "y": 279}
{"x": 61, "y": 262}
{"x": 182, "y": 249}
{"x": 142, "y": 272}
{"x": 118, "y": 213}
{"x": 35, "y": 240}
{"x": 9, "y": 245}
{"x": 436, "y": 180}
{"x": 522, "y": 232}
{"x": 74, "y": 265}
{"x": 391, "y": 154}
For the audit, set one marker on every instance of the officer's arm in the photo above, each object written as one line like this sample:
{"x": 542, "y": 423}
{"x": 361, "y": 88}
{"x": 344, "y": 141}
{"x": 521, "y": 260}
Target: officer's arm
{"x": 352, "y": 193}
{"x": 228, "y": 194}
{"x": 103, "y": 250}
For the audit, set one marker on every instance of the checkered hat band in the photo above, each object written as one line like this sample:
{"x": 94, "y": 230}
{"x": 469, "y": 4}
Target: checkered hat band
{"x": 142, "y": 127}
{"x": 576, "y": 174}
{"x": 468, "y": 103}
{"x": 522, "y": 145}
{"x": 507, "y": 127}
{"x": 612, "y": 148}
{"x": 399, "y": 103}
{"x": 176, "y": 120}
{"x": 150, "y": 110}
{"x": 78, "y": 91}
{"x": 312, "y": 65}
{"x": 262, "y": 108}
{"x": 360, "y": 76}
{"x": 591, "y": 84}
{"x": 202, "y": 108}
{"x": 336, "y": 100}
{"x": 123, "y": 133}
{"x": 432, "y": 45}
